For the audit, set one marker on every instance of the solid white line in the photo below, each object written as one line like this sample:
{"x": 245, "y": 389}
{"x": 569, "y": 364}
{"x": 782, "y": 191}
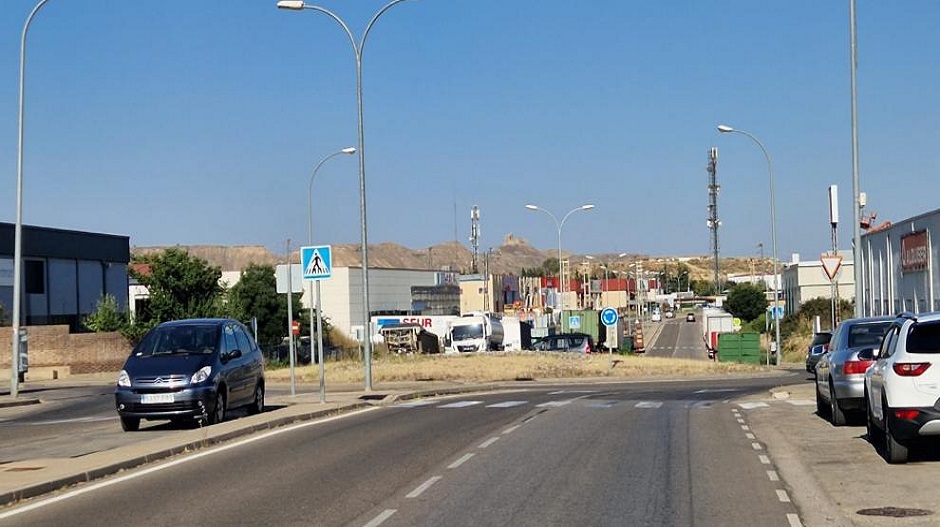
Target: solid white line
{"x": 782, "y": 496}
{"x": 423, "y": 487}
{"x": 772, "y": 474}
{"x": 384, "y": 515}
{"x": 794, "y": 520}
{"x": 461, "y": 461}
{"x": 511, "y": 429}
{"x": 488, "y": 442}
{"x": 180, "y": 461}
{"x": 756, "y": 446}
{"x": 749, "y": 435}
{"x": 764, "y": 459}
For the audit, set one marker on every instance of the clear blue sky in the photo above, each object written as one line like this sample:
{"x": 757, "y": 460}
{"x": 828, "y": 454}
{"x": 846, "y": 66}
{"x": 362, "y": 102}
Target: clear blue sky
{"x": 183, "y": 122}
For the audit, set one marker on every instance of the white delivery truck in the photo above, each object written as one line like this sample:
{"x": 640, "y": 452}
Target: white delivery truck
{"x": 476, "y": 331}
{"x": 517, "y": 334}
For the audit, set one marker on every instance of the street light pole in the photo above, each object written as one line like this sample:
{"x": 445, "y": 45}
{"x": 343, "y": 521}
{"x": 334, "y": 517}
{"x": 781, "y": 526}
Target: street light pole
{"x": 18, "y": 230}
{"x": 559, "y": 225}
{"x": 773, "y": 235}
{"x": 856, "y": 194}
{"x": 297, "y": 5}
{"x": 348, "y": 151}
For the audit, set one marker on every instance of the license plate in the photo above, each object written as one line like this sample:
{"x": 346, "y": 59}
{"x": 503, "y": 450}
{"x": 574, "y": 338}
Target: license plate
{"x": 156, "y": 398}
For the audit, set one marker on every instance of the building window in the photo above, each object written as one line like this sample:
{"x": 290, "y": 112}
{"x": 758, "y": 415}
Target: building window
{"x": 34, "y": 272}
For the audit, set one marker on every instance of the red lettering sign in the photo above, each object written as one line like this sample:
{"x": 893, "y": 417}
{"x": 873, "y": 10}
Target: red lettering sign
{"x": 915, "y": 251}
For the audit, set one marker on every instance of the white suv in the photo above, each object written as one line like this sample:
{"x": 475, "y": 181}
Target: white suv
{"x": 902, "y": 387}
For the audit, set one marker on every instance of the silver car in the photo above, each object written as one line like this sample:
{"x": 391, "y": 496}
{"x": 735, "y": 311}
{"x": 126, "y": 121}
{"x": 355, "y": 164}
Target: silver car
{"x": 840, "y": 373}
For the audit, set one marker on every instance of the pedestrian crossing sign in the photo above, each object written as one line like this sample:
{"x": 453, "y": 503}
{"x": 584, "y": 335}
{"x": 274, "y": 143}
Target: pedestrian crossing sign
{"x": 317, "y": 262}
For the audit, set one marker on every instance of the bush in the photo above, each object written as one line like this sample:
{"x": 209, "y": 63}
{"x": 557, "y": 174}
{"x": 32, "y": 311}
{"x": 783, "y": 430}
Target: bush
{"x": 106, "y": 316}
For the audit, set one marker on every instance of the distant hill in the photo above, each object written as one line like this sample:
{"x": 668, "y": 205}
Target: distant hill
{"x": 509, "y": 258}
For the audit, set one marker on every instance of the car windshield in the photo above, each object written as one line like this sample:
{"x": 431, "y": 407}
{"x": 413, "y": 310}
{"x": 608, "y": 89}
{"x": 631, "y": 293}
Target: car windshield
{"x": 474, "y": 331}
{"x": 867, "y": 335}
{"x": 168, "y": 340}
{"x": 924, "y": 338}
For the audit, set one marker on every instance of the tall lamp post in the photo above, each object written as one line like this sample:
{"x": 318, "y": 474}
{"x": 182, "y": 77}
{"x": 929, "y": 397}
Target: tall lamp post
{"x": 18, "y": 230}
{"x": 723, "y": 128}
{"x": 298, "y": 5}
{"x": 348, "y": 151}
{"x": 559, "y": 225}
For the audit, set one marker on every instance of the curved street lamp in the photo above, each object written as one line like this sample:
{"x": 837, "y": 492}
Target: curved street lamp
{"x": 348, "y": 151}
{"x": 725, "y": 129}
{"x": 298, "y": 5}
{"x": 559, "y": 225}
{"x": 18, "y": 229}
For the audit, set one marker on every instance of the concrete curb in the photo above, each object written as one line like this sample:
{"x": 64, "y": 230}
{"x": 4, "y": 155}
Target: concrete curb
{"x": 18, "y": 402}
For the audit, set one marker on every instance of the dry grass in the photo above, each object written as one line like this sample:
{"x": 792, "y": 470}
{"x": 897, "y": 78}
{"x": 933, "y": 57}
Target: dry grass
{"x": 510, "y": 367}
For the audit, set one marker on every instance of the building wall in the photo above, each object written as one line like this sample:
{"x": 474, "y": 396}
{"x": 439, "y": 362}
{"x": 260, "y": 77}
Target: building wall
{"x": 54, "y": 348}
{"x": 891, "y": 281}
{"x": 805, "y": 280}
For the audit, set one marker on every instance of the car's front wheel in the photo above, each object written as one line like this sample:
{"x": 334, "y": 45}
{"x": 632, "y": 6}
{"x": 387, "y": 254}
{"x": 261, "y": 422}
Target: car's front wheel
{"x": 130, "y": 424}
{"x": 218, "y": 409}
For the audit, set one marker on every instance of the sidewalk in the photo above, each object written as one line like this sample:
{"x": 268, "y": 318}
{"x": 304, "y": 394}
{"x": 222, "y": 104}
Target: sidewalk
{"x": 30, "y": 478}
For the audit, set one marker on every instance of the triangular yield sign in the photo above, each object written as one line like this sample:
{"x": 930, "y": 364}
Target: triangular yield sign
{"x": 831, "y": 264}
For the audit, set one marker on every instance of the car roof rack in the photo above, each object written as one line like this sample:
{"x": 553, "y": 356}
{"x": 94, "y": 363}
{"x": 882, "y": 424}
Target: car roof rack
{"x": 908, "y": 315}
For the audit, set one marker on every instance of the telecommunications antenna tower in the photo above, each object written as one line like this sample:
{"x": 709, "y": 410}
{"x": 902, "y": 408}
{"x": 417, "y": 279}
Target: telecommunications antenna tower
{"x": 713, "y": 221}
{"x": 475, "y": 238}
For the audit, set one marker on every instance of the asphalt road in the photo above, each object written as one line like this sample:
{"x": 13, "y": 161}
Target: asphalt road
{"x": 679, "y": 339}
{"x": 618, "y": 454}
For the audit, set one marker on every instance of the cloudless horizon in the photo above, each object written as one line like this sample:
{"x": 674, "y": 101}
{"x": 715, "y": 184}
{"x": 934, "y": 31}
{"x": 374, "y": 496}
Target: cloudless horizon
{"x": 181, "y": 122}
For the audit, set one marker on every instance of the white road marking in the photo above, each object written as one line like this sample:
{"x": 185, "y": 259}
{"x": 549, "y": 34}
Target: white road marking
{"x": 718, "y": 390}
{"x": 488, "y": 442}
{"x": 384, "y": 515}
{"x": 463, "y": 459}
{"x": 461, "y": 404}
{"x": 423, "y": 487}
{"x": 801, "y": 402}
{"x": 745, "y": 428}
{"x": 794, "y": 520}
{"x": 560, "y": 392}
{"x": 649, "y": 404}
{"x": 601, "y": 404}
{"x": 782, "y": 496}
{"x": 511, "y": 429}
{"x": 772, "y": 474}
{"x": 416, "y": 404}
{"x": 751, "y": 406}
{"x": 88, "y": 419}
{"x": 749, "y": 436}
{"x": 764, "y": 459}
{"x": 756, "y": 446}
{"x": 507, "y": 404}
{"x": 554, "y": 404}
{"x": 193, "y": 457}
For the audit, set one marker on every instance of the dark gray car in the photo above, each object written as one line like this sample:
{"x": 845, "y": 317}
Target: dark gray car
{"x": 818, "y": 346}
{"x": 840, "y": 372}
{"x": 194, "y": 369}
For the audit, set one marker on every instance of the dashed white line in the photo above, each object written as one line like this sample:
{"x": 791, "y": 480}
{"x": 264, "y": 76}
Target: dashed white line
{"x": 554, "y": 404}
{"x": 423, "y": 487}
{"x": 740, "y": 421}
{"x": 463, "y": 459}
{"x": 751, "y": 406}
{"x": 511, "y": 429}
{"x": 756, "y": 446}
{"x": 507, "y": 404}
{"x": 772, "y": 474}
{"x": 460, "y": 404}
{"x": 649, "y": 404}
{"x": 488, "y": 442}
{"x": 782, "y": 496}
{"x": 384, "y": 515}
{"x": 764, "y": 459}
{"x": 749, "y": 436}
{"x": 745, "y": 428}
{"x": 794, "y": 520}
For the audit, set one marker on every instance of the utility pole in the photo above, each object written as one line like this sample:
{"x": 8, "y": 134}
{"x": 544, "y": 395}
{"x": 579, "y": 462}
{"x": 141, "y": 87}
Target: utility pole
{"x": 713, "y": 221}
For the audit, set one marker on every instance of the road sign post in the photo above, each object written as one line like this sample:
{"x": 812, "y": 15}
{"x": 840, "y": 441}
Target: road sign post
{"x": 609, "y": 318}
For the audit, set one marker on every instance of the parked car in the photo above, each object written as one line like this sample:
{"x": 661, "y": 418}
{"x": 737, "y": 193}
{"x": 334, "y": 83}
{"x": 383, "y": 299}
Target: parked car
{"x": 840, "y": 372}
{"x": 690, "y": 317}
{"x": 818, "y": 346}
{"x": 194, "y": 369}
{"x": 656, "y": 317}
{"x": 566, "y": 342}
{"x": 669, "y": 314}
{"x": 902, "y": 387}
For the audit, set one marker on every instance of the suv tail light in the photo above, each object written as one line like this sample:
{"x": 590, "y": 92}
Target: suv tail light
{"x": 906, "y": 415}
{"x": 852, "y": 367}
{"x": 587, "y": 348}
{"x": 910, "y": 369}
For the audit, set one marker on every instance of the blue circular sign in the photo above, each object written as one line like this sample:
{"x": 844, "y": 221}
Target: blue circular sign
{"x": 609, "y": 316}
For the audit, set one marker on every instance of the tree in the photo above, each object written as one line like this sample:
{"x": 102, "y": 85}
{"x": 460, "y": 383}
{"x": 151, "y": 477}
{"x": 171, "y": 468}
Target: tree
{"x": 746, "y": 301}
{"x": 106, "y": 316}
{"x": 180, "y": 286}
{"x": 255, "y": 295}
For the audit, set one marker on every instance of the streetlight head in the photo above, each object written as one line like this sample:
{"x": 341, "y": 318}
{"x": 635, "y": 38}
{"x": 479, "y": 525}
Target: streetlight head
{"x": 349, "y": 149}
{"x": 532, "y": 207}
{"x": 621, "y": 255}
{"x": 587, "y": 207}
{"x": 723, "y": 128}
{"x": 294, "y": 5}
{"x": 588, "y": 256}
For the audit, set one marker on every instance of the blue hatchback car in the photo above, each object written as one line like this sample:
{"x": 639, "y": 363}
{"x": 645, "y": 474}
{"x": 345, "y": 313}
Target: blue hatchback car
{"x": 195, "y": 369}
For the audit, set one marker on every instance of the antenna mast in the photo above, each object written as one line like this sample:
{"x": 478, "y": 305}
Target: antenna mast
{"x": 475, "y": 238}
{"x": 713, "y": 221}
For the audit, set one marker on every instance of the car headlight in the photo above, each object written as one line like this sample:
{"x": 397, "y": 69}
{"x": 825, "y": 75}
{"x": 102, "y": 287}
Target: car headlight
{"x": 201, "y": 375}
{"x": 124, "y": 379}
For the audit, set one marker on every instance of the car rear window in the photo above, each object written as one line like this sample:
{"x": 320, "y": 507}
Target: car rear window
{"x": 867, "y": 335}
{"x": 924, "y": 338}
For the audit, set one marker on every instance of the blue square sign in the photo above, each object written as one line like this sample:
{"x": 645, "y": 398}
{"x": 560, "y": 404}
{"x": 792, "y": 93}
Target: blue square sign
{"x": 316, "y": 262}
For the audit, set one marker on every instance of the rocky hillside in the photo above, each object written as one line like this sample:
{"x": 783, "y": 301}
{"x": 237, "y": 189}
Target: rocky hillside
{"x": 510, "y": 257}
